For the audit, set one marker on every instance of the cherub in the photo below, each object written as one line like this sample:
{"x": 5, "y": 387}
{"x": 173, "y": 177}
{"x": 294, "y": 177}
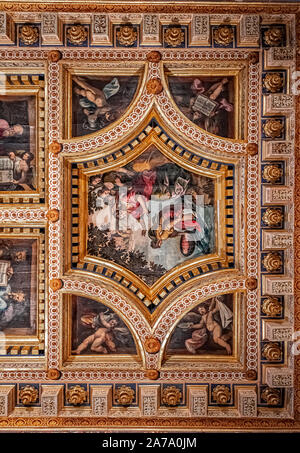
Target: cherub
{"x": 94, "y": 100}
{"x": 102, "y": 340}
{"x": 96, "y": 95}
{"x": 207, "y": 325}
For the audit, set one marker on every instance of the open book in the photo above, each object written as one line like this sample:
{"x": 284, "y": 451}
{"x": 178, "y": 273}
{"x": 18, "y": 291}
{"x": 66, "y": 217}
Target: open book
{"x": 6, "y": 169}
{"x": 205, "y": 105}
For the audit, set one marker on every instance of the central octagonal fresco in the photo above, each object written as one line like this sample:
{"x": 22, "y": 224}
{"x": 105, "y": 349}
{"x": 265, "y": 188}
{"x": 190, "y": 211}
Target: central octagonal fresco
{"x": 150, "y": 215}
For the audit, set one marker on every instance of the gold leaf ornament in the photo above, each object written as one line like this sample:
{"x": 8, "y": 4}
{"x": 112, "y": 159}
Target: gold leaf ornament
{"x": 174, "y": 36}
{"x": 124, "y": 395}
{"x": 29, "y": 35}
{"x": 171, "y": 396}
{"x": 77, "y": 34}
{"x": 224, "y": 35}
{"x": 28, "y": 395}
{"x": 272, "y": 262}
{"x": 76, "y": 395}
{"x": 272, "y": 306}
{"x": 272, "y": 217}
{"x": 273, "y": 128}
{"x": 127, "y": 35}
{"x": 273, "y": 82}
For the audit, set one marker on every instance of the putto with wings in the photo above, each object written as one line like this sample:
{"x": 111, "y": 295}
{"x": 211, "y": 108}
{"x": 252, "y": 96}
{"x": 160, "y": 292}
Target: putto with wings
{"x": 109, "y": 332}
{"x": 210, "y": 322}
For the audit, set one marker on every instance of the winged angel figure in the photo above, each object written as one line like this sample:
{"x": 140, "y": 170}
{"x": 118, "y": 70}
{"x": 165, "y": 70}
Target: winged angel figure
{"x": 204, "y": 324}
{"x": 106, "y": 333}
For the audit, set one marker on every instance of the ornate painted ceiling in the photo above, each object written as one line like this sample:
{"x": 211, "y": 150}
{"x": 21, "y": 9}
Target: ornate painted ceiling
{"x": 149, "y": 216}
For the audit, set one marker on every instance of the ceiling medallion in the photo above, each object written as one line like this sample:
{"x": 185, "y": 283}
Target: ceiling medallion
{"x": 154, "y": 86}
{"x": 76, "y": 395}
{"x": 28, "y": 395}
{"x": 127, "y": 35}
{"x": 53, "y": 215}
{"x": 53, "y": 374}
{"x": 56, "y": 284}
{"x": 273, "y": 128}
{"x": 77, "y": 34}
{"x": 272, "y": 306}
{"x": 174, "y": 36}
{"x": 152, "y": 345}
{"x": 273, "y": 82}
{"x": 272, "y": 173}
{"x": 152, "y": 374}
{"x": 54, "y": 56}
{"x": 251, "y": 375}
{"x": 154, "y": 56}
{"x": 272, "y": 352}
{"x": 272, "y": 217}
{"x": 272, "y": 262}
{"x": 171, "y": 396}
{"x": 223, "y": 35}
{"x": 251, "y": 283}
{"x": 273, "y": 37}
{"x": 55, "y": 148}
{"x": 29, "y": 35}
{"x": 252, "y": 149}
{"x": 124, "y": 396}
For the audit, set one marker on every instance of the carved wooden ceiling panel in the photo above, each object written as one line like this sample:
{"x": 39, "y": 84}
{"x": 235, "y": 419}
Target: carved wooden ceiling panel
{"x": 149, "y": 216}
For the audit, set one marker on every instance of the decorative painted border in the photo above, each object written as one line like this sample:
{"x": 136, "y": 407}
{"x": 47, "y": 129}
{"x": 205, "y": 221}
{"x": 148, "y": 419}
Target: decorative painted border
{"x": 269, "y": 422}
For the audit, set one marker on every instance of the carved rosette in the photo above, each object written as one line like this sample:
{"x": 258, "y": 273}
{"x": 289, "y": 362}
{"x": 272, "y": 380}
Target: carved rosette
{"x": 252, "y": 149}
{"x": 273, "y": 82}
{"x": 55, "y": 147}
{"x": 154, "y": 56}
{"x": 272, "y": 262}
{"x": 271, "y": 396}
{"x": 272, "y": 217}
{"x": 53, "y": 374}
{"x": 127, "y": 35}
{"x": 174, "y": 36}
{"x": 56, "y": 284}
{"x": 53, "y": 215}
{"x": 77, "y": 34}
{"x": 76, "y": 395}
{"x": 29, "y": 35}
{"x": 152, "y": 345}
{"x": 171, "y": 396}
{"x": 152, "y": 374}
{"x": 223, "y": 35}
{"x": 124, "y": 395}
{"x": 251, "y": 283}
{"x": 221, "y": 394}
{"x": 251, "y": 375}
{"x": 154, "y": 86}
{"x": 254, "y": 57}
{"x": 273, "y": 128}
{"x": 272, "y": 306}
{"x": 272, "y": 352}
{"x": 54, "y": 56}
{"x": 28, "y": 395}
{"x": 272, "y": 173}
{"x": 273, "y": 37}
